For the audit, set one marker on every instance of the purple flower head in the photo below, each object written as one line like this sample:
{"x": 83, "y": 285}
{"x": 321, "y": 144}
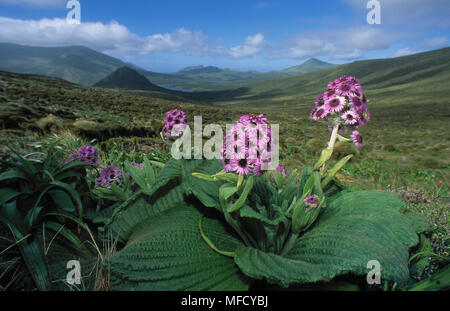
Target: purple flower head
{"x": 311, "y": 201}
{"x": 247, "y": 145}
{"x": 350, "y": 117}
{"x": 357, "y": 139}
{"x": 108, "y": 176}
{"x": 174, "y": 123}
{"x": 344, "y": 103}
{"x": 86, "y": 154}
{"x": 282, "y": 169}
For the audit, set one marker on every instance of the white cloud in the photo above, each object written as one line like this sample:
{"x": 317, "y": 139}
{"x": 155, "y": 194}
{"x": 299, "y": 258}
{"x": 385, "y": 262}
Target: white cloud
{"x": 113, "y": 37}
{"x": 435, "y": 43}
{"x": 254, "y": 45}
{"x": 117, "y": 40}
{"x": 404, "y": 52}
{"x": 344, "y": 44}
{"x": 36, "y": 3}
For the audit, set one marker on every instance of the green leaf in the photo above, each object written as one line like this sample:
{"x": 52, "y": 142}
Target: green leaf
{"x": 30, "y": 247}
{"x": 226, "y": 191}
{"x": 168, "y": 253}
{"x": 139, "y": 176}
{"x": 7, "y": 194}
{"x": 247, "y": 188}
{"x": 66, "y": 233}
{"x": 170, "y": 171}
{"x": 248, "y": 212}
{"x": 324, "y": 157}
{"x": 145, "y": 207}
{"x": 438, "y": 281}
{"x": 206, "y": 191}
{"x": 335, "y": 170}
{"x": 11, "y": 174}
{"x": 63, "y": 200}
{"x": 355, "y": 228}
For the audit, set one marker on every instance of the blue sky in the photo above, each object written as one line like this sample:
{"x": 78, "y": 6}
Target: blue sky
{"x": 166, "y": 36}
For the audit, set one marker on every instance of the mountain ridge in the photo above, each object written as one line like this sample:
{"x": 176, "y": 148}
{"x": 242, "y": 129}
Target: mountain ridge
{"x": 85, "y": 66}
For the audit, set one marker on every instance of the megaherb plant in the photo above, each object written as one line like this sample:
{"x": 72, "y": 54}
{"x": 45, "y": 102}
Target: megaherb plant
{"x": 207, "y": 225}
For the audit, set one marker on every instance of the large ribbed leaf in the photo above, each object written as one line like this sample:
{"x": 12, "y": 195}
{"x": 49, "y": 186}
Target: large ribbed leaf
{"x": 59, "y": 255}
{"x": 145, "y": 207}
{"x": 168, "y": 253}
{"x": 355, "y": 228}
{"x": 174, "y": 180}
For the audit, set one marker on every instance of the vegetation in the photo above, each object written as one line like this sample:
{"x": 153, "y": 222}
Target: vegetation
{"x": 53, "y": 211}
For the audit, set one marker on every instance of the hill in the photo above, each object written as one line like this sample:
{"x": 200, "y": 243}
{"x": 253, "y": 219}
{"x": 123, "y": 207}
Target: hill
{"x": 310, "y": 65}
{"x": 76, "y": 64}
{"x": 199, "y": 70}
{"x": 420, "y": 78}
{"x": 128, "y": 79}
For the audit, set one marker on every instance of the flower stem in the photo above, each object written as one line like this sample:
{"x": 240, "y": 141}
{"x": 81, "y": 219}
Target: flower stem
{"x": 334, "y": 136}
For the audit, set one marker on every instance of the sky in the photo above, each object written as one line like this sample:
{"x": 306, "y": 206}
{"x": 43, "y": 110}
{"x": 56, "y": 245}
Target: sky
{"x": 165, "y": 36}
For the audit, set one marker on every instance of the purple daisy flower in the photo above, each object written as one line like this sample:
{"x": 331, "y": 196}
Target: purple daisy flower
{"x": 320, "y": 101}
{"x": 335, "y": 104}
{"x": 329, "y": 93}
{"x": 357, "y": 103}
{"x": 363, "y": 117}
{"x": 345, "y": 89}
{"x": 242, "y": 166}
{"x": 357, "y": 139}
{"x": 321, "y": 113}
{"x": 350, "y": 117}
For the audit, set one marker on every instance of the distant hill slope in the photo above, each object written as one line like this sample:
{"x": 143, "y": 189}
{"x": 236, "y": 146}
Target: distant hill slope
{"x": 311, "y": 65}
{"x": 85, "y": 67}
{"x": 128, "y": 79}
{"x": 76, "y": 64}
{"x": 199, "y": 70}
{"x": 423, "y": 76}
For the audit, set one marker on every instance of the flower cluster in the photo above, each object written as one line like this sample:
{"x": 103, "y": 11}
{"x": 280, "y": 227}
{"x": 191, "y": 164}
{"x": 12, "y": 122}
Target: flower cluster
{"x": 108, "y": 176}
{"x": 311, "y": 201}
{"x": 248, "y": 145}
{"x": 86, "y": 154}
{"x": 344, "y": 103}
{"x": 174, "y": 124}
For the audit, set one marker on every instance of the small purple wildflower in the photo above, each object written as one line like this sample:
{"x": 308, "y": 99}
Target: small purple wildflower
{"x": 108, "y": 176}
{"x": 283, "y": 170}
{"x": 88, "y": 154}
{"x": 311, "y": 201}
